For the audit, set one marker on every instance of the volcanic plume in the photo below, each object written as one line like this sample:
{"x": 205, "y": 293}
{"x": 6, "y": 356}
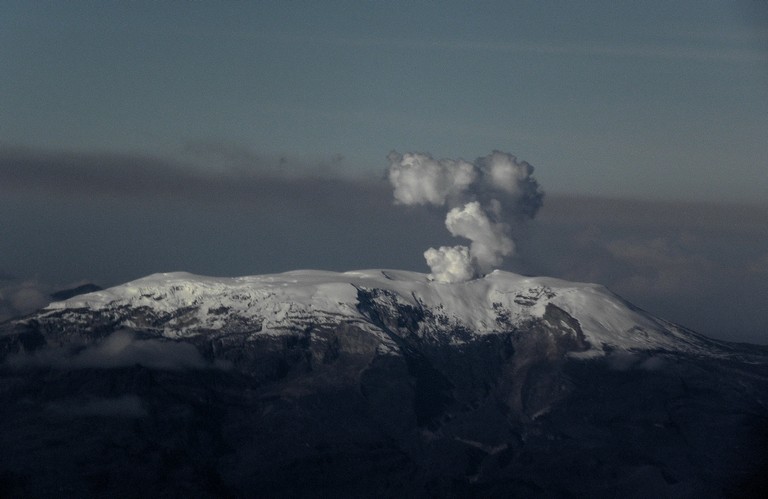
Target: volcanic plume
{"x": 483, "y": 199}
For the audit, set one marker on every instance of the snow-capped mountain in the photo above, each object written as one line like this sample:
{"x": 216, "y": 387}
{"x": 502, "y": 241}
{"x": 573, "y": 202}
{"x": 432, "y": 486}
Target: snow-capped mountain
{"x": 373, "y": 383}
{"x": 181, "y": 305}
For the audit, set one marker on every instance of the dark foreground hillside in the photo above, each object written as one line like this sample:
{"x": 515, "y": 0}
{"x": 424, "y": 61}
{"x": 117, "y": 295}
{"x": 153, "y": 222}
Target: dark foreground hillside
{"x": 325, "y": 414}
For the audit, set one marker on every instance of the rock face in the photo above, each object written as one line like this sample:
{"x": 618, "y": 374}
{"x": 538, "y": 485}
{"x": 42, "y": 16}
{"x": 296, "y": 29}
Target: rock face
{"x": 373, "y": 383}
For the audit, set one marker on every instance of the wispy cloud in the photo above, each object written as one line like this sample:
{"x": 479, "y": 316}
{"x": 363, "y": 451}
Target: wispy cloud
{"x": 119, "y": 349}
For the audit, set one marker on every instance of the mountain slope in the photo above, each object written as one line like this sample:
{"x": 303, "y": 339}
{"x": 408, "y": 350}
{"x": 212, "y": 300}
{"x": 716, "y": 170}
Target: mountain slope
{"x": 376, "y": 382}
{"x": 179, "y": 305}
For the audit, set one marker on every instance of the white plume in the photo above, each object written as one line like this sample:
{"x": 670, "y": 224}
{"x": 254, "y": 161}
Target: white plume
{"x": 480, "y": 196}
{"x": 490, "y": 243}
{"x": 450, "y": 264}
{"x": 419, "y": 179}
{"x": 505, "y": 172}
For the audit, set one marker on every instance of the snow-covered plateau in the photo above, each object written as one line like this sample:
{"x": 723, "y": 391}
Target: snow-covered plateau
{"x": 180, "y": 304}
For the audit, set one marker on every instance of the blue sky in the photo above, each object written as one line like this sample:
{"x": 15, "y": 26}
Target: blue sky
{"x": 625, "y": 99}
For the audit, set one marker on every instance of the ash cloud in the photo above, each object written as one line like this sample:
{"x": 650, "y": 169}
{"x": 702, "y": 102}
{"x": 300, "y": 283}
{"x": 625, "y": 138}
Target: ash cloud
{"x": 203, "y": 172}
{"x": 483, "y": 198}
{"x": 109, "y": 218}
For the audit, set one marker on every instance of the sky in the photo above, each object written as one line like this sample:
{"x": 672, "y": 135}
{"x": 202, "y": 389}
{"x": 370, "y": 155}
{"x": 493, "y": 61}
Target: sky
{"x": 230, "y": 138}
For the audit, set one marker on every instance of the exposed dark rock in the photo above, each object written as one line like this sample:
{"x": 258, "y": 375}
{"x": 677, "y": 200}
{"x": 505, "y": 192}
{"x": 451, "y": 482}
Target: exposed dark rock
{"x": 408, "y": 403}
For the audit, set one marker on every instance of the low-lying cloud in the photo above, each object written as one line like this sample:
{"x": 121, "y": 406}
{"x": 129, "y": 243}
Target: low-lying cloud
{"x": 21, "y": 297}
{"x": 119, "y": 349}
{"x": 625, "y": 361}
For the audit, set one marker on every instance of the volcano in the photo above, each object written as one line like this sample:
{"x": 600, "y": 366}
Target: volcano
{"x": 374, "y": 382}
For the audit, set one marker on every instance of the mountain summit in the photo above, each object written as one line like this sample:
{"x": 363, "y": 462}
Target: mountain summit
{"x": 378, "y": 382}
{"x": 181, "y": 305}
